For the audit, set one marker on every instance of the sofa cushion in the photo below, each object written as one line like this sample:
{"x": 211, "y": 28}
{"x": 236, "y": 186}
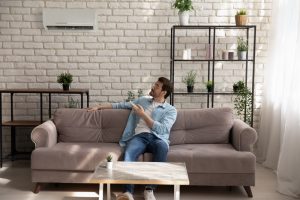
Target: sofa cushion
{"x": 202, "y": 126}
{"x": 212, "y": 158}
{"x": 73, "y": 156}
{"x": 113, "y": 124}
{"x": 77, "y": 125}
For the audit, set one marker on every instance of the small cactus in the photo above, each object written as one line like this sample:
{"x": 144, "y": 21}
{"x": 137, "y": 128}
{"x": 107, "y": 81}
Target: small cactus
{"x": 109, "y": 158}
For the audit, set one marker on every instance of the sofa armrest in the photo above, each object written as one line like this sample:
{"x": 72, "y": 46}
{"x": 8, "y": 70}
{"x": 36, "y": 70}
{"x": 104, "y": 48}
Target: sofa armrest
{"x": 243, "y": 136}
{"x": 44, "y": 135}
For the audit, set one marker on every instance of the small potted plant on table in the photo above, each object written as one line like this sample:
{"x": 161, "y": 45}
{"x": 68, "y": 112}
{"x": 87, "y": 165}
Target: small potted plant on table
{"x": 65, "y": 79}
{"x": 241, "y": 18}
{"x": 184, "y": 6}
{"x": 109, "y": 163}
{"x": 189, "y": 80}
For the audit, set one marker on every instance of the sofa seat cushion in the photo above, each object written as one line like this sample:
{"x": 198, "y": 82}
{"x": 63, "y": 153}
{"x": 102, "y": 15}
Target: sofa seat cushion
{"x": 212, "y": 158}
{"x": 73, "y": 156}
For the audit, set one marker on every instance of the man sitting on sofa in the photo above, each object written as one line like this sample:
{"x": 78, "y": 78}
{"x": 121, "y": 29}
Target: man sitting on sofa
{"x": 147, "y": 130}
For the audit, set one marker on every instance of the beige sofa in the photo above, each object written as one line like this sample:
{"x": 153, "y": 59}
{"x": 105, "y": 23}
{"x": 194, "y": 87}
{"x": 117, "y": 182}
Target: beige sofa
{"x": 215, "y": 147}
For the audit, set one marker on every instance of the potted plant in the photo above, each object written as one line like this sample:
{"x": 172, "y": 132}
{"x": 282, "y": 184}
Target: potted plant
{"x": 130, "y": 96}
{"x": 65, "y": 79}
{"x": 189, "y": 80}
{"x": 140, "y": 93}
{"x": 243, "y": 101}
{"x": 241, "y": 18}
{"x": 109, "y": 163}
{"x": 242, "y": 48}
{"x": 238, "y": 86}
{"x": 209, "y": 86}
{"x": 184, "y": 6}
{"x": 72, "y": 103}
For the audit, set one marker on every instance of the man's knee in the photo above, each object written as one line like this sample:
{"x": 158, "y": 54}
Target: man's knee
{"x": 159, "y": 150}
{"x": 161, "y": 146}
{"x": 132, "y": 152}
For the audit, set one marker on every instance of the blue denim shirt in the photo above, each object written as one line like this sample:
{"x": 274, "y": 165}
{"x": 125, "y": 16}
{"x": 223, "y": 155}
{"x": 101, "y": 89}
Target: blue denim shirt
{"x": 164, "y": 117}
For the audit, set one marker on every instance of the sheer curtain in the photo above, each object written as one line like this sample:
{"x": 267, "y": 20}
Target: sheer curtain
{"x": 278, "y": 145}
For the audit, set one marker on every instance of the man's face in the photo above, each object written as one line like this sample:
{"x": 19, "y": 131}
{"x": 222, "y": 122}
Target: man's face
{"x": 156, "y": 90}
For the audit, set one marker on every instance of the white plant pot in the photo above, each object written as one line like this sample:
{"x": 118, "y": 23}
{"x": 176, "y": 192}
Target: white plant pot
{"x": 109, "y": 165}
{"x": 242, "y": 55}
{"x": 184, "y": 18}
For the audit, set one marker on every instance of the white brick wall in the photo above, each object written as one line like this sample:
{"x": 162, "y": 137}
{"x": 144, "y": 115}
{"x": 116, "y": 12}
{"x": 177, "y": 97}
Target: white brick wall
{"x": 129, "y": 51}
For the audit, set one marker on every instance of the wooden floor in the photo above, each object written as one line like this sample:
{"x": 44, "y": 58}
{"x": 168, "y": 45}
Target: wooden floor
{"x": 15, "y": 183}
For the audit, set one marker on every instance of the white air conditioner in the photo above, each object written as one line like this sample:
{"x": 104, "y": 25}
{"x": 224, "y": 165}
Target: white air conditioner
{"x": 69, "y": 19}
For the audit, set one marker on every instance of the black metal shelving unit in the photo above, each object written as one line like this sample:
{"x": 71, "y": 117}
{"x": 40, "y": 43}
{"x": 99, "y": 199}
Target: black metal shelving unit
{"x": 211, "y": 40}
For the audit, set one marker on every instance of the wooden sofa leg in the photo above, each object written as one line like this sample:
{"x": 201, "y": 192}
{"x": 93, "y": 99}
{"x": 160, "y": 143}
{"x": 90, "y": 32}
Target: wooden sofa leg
{"x": 248, "y": 191}
{"x": 37, "y": 188}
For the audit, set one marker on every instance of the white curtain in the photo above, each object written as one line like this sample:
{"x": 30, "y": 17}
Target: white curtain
{"x": 278, "y": 145}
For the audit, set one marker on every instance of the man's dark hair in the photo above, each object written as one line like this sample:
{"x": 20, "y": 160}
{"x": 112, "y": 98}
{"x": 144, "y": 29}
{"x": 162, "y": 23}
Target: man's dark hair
{"x": 167, "y": 86}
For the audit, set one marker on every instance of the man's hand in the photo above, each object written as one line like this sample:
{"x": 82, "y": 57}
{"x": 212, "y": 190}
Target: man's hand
{"x": 138, "y": 109}
{"x": 92, "y": 109}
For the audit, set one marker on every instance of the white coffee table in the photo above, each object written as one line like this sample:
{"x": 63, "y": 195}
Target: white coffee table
{"x": 158, "y": 173}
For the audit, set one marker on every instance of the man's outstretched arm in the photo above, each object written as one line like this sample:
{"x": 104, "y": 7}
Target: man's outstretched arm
{"x": 100, "y": 107}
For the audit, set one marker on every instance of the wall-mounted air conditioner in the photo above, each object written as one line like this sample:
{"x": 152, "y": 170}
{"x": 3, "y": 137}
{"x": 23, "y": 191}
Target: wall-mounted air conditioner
{"x": 69, "y": 19}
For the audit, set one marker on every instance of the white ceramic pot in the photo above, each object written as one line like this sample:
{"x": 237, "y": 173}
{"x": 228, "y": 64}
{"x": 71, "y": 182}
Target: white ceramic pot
{"x": 184, "y": 18}
{"x": 242, "y": 55}
{"x": 109, "y": 165}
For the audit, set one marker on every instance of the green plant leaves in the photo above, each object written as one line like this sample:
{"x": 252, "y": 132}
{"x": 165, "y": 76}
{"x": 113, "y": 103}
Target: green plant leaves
{"x": 190, "y": 78}
{"x": 183, "y": 5}
{"x": 65, "y": 78}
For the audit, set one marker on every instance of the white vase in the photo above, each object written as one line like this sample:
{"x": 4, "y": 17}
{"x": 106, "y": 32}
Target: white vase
{"x": 184, "y": 18}
{"x": 109, "y": 165}
{"x": 242, "y": 55}
{"x": 187, "y": 54}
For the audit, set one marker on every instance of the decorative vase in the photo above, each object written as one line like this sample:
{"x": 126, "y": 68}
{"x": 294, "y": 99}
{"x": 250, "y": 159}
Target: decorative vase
{"x": 242, "y": 55}
{"x": 66, "y": 86}
{"x": 184, "y": 18}
{"x": 230, "y": 55}
{"x": 109, "y": 165}
{"x": 190, "y": 89}
{"x": 241, "y": 20}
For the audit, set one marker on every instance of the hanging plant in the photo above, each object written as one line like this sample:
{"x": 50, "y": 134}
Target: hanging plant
{"x": 243, "y": 101}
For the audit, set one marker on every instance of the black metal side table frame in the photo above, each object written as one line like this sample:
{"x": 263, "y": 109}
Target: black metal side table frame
{"x": 26, "y": 123}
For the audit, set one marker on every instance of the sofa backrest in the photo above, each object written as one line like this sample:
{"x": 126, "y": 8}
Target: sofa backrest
{"x": 113, "y": 124}
{"x": 77, "y": 125}
{"x": 192, "y": 126}
{"x": 207, "y": 126}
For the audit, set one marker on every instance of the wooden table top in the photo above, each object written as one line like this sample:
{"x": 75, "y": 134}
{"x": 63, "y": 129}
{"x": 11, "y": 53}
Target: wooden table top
{"x": 161, "y": 173}
{"x": 45, "y": 90}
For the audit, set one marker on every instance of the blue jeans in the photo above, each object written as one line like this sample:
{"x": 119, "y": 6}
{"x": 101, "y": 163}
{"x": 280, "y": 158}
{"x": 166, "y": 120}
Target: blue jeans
{"x": 141, "y": 143}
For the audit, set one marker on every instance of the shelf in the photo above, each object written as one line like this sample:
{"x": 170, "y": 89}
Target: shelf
{"x": 21, "y": 123}
{"x": 217, "y": 60}
{"x": 191, "y": 93}
{"x": 208, "y": 65}
{"x": 224, "y": 93}
{"x": 45, "y": 90}
{"x": 214, "y": 27}
{"x": 204, "y": 93}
